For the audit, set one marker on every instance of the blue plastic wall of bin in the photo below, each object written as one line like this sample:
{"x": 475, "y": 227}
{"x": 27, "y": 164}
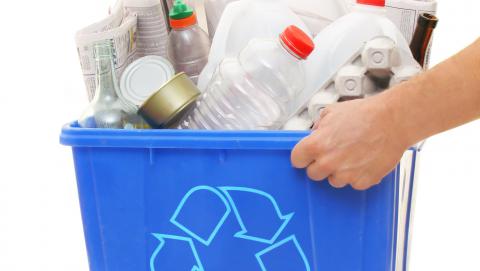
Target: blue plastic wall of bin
{"x": 172, "y": 200}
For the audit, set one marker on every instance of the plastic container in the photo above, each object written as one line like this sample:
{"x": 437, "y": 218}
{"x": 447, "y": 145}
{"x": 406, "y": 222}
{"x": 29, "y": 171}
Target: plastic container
{"x": 214, "y": 10}
{"x": 343, "y": 41}
{"x": 188, "y": 45}
{"x": 319, "y": 13}
{"x": 256, "y": 90}
{"x": 152, "y": 32}
{"x": 174, "y": 200}
{"x": 243, "y": 21}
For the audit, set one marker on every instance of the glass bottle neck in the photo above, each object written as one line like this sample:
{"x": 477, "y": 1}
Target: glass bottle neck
{"x": 105, "y": 79}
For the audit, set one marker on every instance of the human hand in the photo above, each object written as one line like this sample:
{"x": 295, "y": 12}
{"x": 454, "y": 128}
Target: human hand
{"x": 354, "y": 143}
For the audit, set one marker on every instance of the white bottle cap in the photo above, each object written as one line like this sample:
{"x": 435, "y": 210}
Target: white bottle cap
{"x": 143, "y": 78}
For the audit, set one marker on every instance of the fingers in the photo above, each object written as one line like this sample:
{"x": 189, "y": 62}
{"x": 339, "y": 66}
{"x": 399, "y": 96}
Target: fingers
{"x": 307, "y": 151}
{"x": 341, "y": 180}
{"x": 337, "y": 183}
{"x": 320, "y": 170}
{"x": 364, "y": 185}
{"x": 323, "y": 113}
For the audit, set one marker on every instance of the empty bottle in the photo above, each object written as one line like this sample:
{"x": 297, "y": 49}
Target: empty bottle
{"x": 243, "y": 21}
{"x": 188, "y": 45}
{"x": 254, "y": 91}
{"x": 214, "y": 10}
{"x": 106, "y": 110}
{"x": 421, "y": 38}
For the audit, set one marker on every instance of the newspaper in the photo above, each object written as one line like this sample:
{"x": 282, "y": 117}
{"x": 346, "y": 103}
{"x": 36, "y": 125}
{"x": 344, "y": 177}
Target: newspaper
{"x": 404, "y": 13}
{"x": 122, "y": 30}
{"x": 136, "y": 27}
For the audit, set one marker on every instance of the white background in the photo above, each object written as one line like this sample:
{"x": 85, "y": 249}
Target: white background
{"x": 41, "y": 89}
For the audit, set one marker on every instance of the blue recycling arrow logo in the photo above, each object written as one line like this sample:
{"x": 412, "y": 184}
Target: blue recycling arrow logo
{"x": 157, "y": 263}
{"x": 288, "y": 248}
{"x": 218, "y": 206}
{"x": 265, "y": 225}
{"x": 264, "y": 228}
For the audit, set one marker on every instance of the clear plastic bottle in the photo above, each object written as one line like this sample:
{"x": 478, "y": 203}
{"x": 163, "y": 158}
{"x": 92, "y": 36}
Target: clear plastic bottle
{"x": 188, "y": 45}
{"x": 255, "y": 90}
{"x": 243, "y": 21}
{"x": 214, "y": 10}
{"x": 106, "y": 110}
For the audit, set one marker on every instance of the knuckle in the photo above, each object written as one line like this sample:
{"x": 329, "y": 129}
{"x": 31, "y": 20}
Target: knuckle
{"x": 316, "y": 147}
{"x": 328, "y": 166}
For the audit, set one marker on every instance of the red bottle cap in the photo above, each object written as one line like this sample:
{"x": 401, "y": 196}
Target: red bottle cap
{"x": 297, "y": 41}
{"x": 378, "y": 3}
{"x": 185, "y": 22}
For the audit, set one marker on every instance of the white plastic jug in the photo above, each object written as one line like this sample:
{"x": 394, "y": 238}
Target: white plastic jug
{"x": 343, "y": 41}
{"x": 255, "y": 90}
{"x": 318, "y": 14}
{"x": 243, "y": 21}
{"x": 213, "y": 11}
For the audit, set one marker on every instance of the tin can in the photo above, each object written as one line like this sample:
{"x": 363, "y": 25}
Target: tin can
{"x": 166, "y": 107}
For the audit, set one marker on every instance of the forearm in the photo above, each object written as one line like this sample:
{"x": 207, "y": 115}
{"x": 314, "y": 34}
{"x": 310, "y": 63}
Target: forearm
{"x": 442, "y": 98}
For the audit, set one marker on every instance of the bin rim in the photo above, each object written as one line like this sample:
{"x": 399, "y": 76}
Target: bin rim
{"x": 74, "y": 136}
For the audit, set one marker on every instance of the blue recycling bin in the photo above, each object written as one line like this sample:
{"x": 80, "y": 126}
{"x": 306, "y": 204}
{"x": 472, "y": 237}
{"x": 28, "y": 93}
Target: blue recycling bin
{"x": 172, "y": 200}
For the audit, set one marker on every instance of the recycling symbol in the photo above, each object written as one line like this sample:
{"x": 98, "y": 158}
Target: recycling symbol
{"x": 236, "y": 202}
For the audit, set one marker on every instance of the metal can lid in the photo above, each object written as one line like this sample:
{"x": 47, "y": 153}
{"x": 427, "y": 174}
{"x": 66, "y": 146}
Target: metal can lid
{"x": 166, "y": 107}
{"x": 143, "y": 78}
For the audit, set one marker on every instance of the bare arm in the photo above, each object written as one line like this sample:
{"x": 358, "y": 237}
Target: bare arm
{"x": 359, "y": 142}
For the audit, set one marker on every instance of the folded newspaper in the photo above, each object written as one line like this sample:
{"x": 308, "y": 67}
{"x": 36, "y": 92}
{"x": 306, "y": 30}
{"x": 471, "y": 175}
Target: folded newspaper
{"x": 136, "y": 27}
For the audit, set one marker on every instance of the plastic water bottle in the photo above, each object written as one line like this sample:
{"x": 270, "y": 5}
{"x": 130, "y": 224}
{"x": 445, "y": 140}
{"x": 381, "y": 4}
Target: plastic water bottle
{"x": 188, "y": 45}
{"x": 214, "y": 10}
{"x": 243, "y": 21}
{"x": 255, "y": 90}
